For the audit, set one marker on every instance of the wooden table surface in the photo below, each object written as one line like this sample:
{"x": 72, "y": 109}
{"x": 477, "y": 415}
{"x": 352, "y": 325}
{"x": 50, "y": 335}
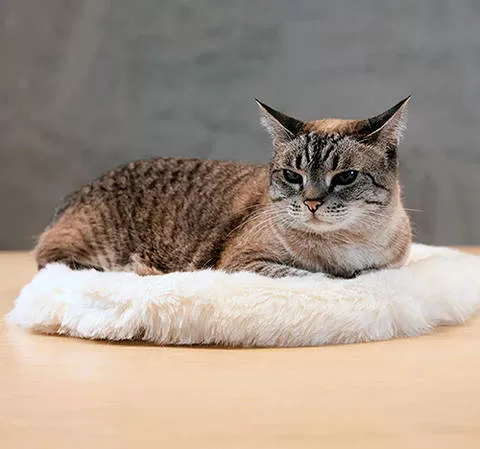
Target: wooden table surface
{"x": 69, "y": 393}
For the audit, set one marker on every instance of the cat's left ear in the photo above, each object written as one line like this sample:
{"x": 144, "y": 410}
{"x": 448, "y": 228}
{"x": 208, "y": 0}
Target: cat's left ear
{"x": 387, "y": 127}
{"x": 281, "y": 127}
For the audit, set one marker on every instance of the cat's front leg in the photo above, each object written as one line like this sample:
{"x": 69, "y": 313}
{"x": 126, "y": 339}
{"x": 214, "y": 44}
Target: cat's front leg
{"x": 145, "y": 270}
{"x": 141, "y": 268}
{"x": 268, "y": 268}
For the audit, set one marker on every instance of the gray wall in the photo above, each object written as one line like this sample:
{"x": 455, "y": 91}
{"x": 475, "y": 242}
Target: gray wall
{"x": 86, "y": 85}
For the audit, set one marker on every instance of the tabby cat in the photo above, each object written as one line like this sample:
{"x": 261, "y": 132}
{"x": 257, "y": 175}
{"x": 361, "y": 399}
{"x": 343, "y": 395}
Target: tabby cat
{"x": 329, "y": 201}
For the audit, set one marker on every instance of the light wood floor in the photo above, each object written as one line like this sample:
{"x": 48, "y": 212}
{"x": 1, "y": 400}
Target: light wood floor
{"x": 67, "y": 393}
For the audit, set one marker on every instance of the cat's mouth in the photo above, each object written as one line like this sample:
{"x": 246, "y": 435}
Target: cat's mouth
{"x": 322, "y": 224}
{"x": 317, "y": 222}
{"x": 316, "y": 219}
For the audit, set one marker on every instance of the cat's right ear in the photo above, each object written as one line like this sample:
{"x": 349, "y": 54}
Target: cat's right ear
{"x": 281, "y": 127}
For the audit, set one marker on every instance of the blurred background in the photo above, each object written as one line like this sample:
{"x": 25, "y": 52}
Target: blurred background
{"x": 86, "y": 85}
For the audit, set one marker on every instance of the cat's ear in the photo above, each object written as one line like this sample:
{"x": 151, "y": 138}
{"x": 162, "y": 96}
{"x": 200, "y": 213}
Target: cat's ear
{"x": 387, "y": 127}
{"x": 281, "y": 127}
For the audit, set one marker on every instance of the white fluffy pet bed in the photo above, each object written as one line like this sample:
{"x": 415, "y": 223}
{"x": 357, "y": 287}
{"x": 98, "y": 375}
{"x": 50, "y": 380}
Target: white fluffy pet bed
{"x": 439, "y": 286}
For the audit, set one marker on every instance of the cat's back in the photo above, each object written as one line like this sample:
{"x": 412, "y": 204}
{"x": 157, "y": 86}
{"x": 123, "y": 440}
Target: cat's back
{"x": 171, "y": 205}
{"x": 145, "y": 181}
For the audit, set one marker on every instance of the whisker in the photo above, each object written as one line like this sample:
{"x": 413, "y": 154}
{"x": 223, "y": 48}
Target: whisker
{"x": 413, "y": 210}
{"x": 255, "y": 215}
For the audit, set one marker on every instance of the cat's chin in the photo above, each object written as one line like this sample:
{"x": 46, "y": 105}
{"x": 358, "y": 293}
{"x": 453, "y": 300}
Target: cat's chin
{"x": 318, "y": 225}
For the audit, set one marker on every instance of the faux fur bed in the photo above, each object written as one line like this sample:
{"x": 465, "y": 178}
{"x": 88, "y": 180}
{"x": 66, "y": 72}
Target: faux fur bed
{"x": 439, "y": 286}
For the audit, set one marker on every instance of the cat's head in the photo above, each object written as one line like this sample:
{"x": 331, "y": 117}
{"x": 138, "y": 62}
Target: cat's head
{"x": 334, "y": 174}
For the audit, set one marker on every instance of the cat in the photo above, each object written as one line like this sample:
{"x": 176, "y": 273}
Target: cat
{"x": 329, "y": 201}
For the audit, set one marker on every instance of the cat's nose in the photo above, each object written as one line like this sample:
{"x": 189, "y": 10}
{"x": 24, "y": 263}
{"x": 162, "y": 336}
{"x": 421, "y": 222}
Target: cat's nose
{"x": 313, "y": 205}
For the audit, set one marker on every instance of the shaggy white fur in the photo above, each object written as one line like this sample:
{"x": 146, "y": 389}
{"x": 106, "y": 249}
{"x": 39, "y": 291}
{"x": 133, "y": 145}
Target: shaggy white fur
{"x": 439, "y": 286}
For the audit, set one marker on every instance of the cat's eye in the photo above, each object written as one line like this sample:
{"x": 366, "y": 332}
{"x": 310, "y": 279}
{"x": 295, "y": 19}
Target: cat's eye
{"x": 292, "y": 177}
{"x": 344, "y": 178}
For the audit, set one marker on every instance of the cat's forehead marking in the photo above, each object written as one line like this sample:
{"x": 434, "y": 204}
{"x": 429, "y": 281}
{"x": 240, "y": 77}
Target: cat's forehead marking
{"x": 319, "y": 144}
{"x": 320, "y": 149}
{"x": 322, "y": 138}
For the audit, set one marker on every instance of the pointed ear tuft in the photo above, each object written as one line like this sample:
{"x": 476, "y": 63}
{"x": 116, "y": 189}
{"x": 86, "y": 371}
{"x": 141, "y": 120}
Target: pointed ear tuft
{"x": 388, "y": 127}
{"x": 281, "y": 127}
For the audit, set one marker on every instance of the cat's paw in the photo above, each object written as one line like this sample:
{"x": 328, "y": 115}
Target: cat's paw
{"x": 144, "y": 270}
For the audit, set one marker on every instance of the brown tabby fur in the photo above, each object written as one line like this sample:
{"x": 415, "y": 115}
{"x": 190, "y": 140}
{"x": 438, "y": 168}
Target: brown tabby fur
{"x": 167, "y": 214}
